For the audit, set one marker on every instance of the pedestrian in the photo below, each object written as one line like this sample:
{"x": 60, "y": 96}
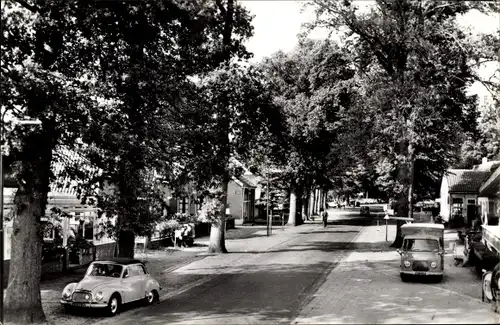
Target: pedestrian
{"x": 324, "y": 215}
{"x": 178, "y": 237}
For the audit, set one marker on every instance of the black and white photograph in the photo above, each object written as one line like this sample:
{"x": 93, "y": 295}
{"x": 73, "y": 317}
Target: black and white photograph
{"x": 199, "y": 162}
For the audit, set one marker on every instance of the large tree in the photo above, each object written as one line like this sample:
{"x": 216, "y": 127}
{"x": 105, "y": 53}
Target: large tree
{"x": 414, "y": 63}
{"x": 233, "y": 110}
{"x": 149, "y": 87}
{"x": 311, "y": 85}
{"x": 60, "y": 61}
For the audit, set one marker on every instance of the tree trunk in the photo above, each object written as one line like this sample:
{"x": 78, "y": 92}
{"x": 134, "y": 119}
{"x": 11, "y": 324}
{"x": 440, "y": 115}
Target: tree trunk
{"x": 126, "y": 243}
{"x": 307, "y": 205}
{"x": 298, "y": 207}
{"x": 304, "y": 209}
{"x": 411, "y": 168}
{"x": 402, "y": 204}
{"x": 323, "y": 199}
{"x": 401, "y": 210}
{"x": 292, "y": 218}
{"x": 318, "y": 200}
{"x": 313, "y": 211}
{"x": 23, "y": 302}
{"x": 410, "y": 188}
{"x": 218, "y": 231}
{"x": 311, "y": 203}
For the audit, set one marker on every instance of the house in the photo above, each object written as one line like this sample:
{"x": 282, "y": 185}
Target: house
{"x": 460, "y": 190}
{"x": 241, "y": 198}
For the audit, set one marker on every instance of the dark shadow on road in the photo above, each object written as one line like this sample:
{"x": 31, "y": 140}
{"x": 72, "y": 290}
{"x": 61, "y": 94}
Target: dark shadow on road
{"x": 360, "y": 221}
{"x": 329, "y": 232}
{"x": 245, "y": 232}
{"x": 327, "y": 246}
{"x": 195, "y": 244}
{"x": 271, "y": 293}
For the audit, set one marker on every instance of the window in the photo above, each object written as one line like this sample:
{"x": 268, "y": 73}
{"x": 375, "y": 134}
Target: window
{"x": 139, "y": 269}
{"x": 421, "y": 245}
{"x": 182, "y": 205}
{"x": 457, "y": 206}
{"x": 106, "y": 270}
{"x": 132, "y": 271}
{"x": 471, "y": 201}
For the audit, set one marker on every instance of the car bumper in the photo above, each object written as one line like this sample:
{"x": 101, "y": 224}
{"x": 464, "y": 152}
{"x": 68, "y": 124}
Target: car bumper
{"x": 84, "y": 304}
{"x": 422, "y": 272}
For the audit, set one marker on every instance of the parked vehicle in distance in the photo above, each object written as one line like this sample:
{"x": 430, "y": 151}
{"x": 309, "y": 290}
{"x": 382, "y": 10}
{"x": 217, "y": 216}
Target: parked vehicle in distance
{"x": 422, "y": 252}
{"x": 111, "y": 283}
{"x": 333, "y": 204}
{"x": 364, "y": 211}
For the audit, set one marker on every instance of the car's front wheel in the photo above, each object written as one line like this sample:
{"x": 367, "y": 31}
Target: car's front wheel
{"x": 114, "y": 304}
{"x": 152, "y": 297}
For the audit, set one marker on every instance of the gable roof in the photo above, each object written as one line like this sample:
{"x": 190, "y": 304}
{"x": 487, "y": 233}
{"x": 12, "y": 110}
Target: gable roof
{"x": 466, "y": 180}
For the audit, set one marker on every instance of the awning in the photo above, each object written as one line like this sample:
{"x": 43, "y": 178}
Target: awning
{"x": 491, "y": 187}
{"x": 491, "y": 235}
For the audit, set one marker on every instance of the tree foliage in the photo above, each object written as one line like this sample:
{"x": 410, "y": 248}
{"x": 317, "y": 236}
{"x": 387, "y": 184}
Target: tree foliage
{"x": 414, "y": 65}
{"x": 233, "y": 111}
{"x": 311, "y": 86}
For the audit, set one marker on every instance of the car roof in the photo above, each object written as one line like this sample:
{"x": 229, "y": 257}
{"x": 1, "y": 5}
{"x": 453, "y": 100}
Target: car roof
{"x": 423, "y": 225}
{"x": 421, "y": 237}
{"x": 121, "y": 261}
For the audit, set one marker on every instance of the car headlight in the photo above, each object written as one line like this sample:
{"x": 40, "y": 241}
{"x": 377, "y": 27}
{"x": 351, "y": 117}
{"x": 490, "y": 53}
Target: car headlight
{"x": 98, "y": 296}
{"x": 433, "y": 265}
{"x": 407, "y": 263}
{"x": 67, "y": 292}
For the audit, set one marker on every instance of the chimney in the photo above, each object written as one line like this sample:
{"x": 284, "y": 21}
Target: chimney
{"x": 485, "y": 160}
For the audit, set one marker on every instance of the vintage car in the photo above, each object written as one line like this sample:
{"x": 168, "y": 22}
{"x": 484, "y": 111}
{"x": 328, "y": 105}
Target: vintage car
{"x": 111, "y": 283}
{"x": 423, "y": 251}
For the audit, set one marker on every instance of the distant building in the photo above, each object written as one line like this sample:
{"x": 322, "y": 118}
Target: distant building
{"x": 460, "y": 191}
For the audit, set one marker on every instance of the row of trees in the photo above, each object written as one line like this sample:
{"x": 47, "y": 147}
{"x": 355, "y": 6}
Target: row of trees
{"x": 141, "y": 89}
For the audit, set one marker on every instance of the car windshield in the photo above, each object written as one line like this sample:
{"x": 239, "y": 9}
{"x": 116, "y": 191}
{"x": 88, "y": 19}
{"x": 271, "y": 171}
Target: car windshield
{"x": 421, "y": 245}
{"x": 106, "y": 270}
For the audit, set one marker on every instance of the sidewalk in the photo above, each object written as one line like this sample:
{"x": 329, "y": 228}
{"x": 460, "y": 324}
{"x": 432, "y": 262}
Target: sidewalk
{"x": 365, "y": 288}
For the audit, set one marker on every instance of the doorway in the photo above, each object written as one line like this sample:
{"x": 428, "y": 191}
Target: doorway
{"x": 471, "y": 213}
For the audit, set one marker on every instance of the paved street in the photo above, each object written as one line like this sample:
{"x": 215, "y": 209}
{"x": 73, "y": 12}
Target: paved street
{"x": 342, "y": 274}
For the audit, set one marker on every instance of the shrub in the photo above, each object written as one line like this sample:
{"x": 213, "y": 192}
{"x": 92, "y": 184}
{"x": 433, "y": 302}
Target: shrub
{"x": 52, "y": 252}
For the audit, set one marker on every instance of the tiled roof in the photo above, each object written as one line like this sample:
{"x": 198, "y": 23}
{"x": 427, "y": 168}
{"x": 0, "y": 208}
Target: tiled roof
{"x": 466, "y": 180}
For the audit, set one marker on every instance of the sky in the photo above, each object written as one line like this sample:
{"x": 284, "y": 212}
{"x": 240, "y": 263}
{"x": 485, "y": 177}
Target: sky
{"x": 277, "y": 23}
